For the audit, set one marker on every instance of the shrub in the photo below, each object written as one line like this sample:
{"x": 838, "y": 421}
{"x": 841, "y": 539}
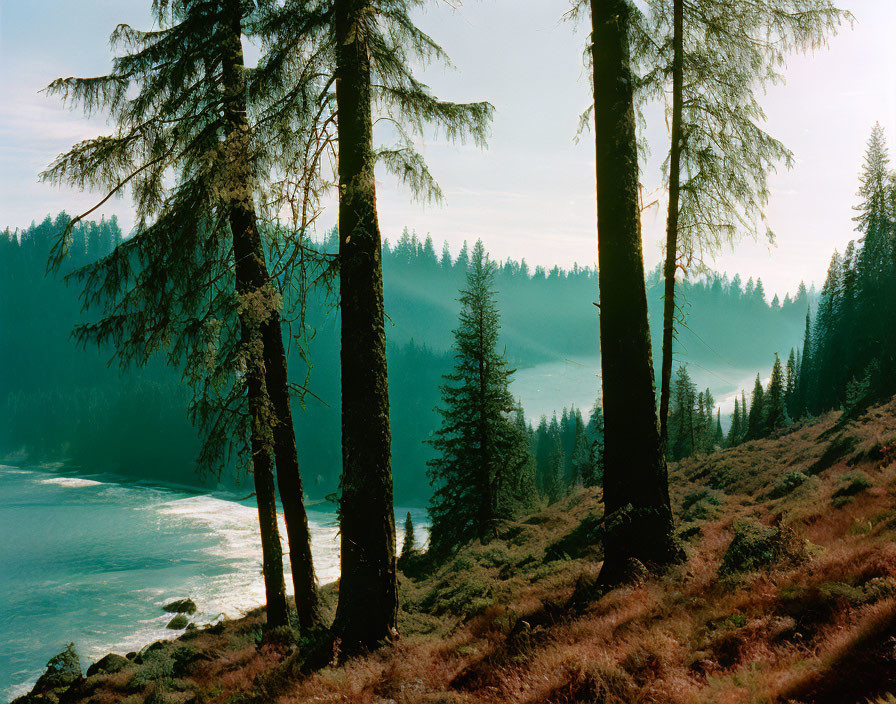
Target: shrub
{"x": 700, "y": 505}
{"x": 463, "y": 595}
{"x": 157, "y": 668}
{"x": 787, "y": 484}
{"x": 755, "y": 546}
{"x": 852, "y": 485}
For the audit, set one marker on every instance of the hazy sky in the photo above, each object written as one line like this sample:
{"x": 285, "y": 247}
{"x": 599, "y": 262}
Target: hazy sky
{"x": 531, "y": 193}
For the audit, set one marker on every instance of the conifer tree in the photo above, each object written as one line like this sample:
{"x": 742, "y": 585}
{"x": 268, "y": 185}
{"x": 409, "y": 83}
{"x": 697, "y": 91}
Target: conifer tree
{"x": 408, "y": 544}
{"x": 594, "y": 436}
{"x": 481, "y": 451}
{"x": 683, "y": 426}
{"x": 364, "y": 52}
{"x": 580, "y": 454}
{"x": 543, "y": 447}
{"x": 807, "y": 370}
{"x": 192, "y": 283}
{"x": 756, "y": 418}
{"x": 824, "y": 392}
{"x": 635, "y": 481}
{"x": 775, "y": 408}
{"x": 718, "y": 53}
{"x": 876, "y": 265}
{"x": 790, "y": 383}
{"x": 734, "y": 431}
{"x": 718, "y": 435}
{"x": 553, "y": 480}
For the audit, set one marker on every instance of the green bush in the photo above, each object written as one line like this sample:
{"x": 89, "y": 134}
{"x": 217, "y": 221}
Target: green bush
{"x": 700, "y": 505}
{"x": 852, "y": 485}
{"x": 157, "y": 668}
{"x": 462, "y": 595}
{"x": 787, "y": 484}
{"x": 755, "y": 546}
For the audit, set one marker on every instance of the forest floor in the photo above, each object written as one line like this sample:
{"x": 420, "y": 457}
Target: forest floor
{"x": 787, "y": 594}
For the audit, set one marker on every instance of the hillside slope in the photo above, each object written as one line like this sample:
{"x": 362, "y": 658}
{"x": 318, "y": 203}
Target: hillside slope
{"x": 787, "y": 594}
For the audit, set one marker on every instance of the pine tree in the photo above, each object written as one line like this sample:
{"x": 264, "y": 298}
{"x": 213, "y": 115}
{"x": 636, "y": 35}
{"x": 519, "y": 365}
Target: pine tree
{"x": 718, "y": 436}
{"x": 543, "y": 448}
{"x": 807, "y": 371}
{"x": 364, "y": 52}
{"x": 594, "y": 437}
{"x": 790, "y": 383}
{"x": 192, "y": 282}
{"x": 876, "y": 265}
{"x": 683, "y": 427}
{"x": 482, "y": 454}
{"x": 824, "y": 392}
{"x": 717, "y": 55}
{"x": 775, "y": 411}
{"x": 580, "y": 454}
{"x": 636, "y": 491}
{"x": 755, "y": 421}
{"x": 408, "y": 545}
{"x": 734, "y": 432}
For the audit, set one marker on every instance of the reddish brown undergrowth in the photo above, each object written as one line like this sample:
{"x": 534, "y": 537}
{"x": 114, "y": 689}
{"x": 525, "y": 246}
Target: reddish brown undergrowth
{"x": 788, "y": 594}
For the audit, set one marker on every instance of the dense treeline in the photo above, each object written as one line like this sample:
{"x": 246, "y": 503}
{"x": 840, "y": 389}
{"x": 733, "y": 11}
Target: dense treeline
{"x": 848, "y": 354}
{"x": 51, "y": 378}
{"x": 62, "y": 402}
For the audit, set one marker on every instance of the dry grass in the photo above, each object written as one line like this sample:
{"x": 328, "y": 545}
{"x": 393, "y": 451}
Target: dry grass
{"x": 815, "y": 623}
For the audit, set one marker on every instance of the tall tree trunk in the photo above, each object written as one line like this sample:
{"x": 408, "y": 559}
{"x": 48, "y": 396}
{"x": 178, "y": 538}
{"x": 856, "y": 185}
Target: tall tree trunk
{"x": 368, "y": 596}
{"x": 636, "y": 491}
{"x": 671, "y": 265}
{"x": 266, "y": 375}
{"x": 289, "y": 478}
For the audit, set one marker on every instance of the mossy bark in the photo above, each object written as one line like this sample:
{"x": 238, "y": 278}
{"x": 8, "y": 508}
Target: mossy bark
{"x": 272, "y": 432}
{"x": 368, "y": 598}
{"x": 636, "y": 494}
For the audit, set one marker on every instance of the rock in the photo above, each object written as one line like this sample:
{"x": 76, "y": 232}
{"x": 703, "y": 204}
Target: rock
{"x": 178, "y": 623}
{"x": 108, "y": 665}
{"x": 148, "y": 650}
{"x": 63, "y": 670}
{"x": 181, "y": 606}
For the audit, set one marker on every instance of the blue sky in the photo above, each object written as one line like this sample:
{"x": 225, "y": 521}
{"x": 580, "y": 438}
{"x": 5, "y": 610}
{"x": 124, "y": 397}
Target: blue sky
{"x": 531, "y": 193}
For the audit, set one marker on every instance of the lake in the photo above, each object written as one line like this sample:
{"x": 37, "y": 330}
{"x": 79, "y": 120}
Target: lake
{"x": 91, "y": 559}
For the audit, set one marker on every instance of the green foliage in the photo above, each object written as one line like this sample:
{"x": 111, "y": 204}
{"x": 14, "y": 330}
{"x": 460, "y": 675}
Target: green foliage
{"x": 787, "y": 484}
{"x": 852, "y": 346}
{"x": 851, "y": 486}
{"x": 755, "y": 547}
{"x": 157, "y": 666}
{"x": 732, "y": 49}
{"x": 693, "y": 425}
{"x": 481, "y": 471}
{"x": 700, "y": 505}
{"x": 408, "y": 545}
{"x": 465, "y": 593}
